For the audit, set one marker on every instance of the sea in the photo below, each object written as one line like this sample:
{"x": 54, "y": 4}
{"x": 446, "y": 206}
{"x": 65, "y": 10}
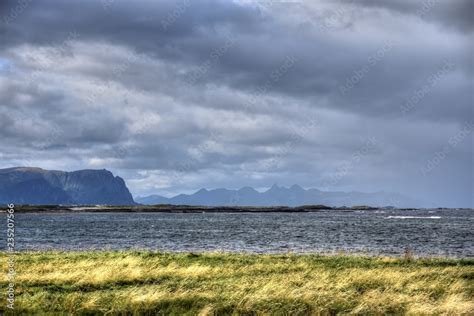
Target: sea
{"x": 426, "y": 233}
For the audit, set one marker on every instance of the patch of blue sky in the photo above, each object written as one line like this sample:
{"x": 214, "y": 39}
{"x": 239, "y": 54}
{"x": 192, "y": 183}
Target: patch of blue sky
{"x": 5, "y": 64}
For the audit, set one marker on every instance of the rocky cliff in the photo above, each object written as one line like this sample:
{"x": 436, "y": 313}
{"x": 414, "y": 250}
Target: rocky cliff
{"x": 39, "y": 186}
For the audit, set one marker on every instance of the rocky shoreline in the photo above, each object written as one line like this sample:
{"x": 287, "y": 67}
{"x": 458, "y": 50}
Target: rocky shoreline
{"x": 187, "y": 209}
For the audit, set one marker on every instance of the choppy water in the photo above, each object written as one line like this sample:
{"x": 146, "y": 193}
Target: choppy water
{"x": 434, "y": 232}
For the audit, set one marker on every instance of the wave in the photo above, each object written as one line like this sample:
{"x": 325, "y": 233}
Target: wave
{"x": 415, "y": 217}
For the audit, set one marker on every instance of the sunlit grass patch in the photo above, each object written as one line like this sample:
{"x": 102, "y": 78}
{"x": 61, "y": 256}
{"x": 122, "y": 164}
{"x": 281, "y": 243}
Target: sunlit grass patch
{"x": 141, "y": 282}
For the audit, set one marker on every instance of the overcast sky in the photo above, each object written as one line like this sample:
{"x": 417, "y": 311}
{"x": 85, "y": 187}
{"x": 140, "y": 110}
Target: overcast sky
{"x": 174, "y": 96}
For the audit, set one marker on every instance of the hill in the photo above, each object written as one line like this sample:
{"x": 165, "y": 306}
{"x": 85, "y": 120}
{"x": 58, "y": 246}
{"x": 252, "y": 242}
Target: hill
{"x": 84, "y": 187}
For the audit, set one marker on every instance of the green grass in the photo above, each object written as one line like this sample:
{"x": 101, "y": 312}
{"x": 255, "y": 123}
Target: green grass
{"x": 148, "y": 283}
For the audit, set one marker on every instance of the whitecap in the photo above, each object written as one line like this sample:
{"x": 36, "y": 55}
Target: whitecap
{"x": 415, "y": 217}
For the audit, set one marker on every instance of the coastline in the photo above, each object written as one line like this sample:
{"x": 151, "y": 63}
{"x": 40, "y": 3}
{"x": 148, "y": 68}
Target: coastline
{"x": 201, "y": 209}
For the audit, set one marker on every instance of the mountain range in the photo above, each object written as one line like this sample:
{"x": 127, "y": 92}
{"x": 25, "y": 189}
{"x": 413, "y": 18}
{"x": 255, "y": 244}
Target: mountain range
{"x": 84, "y": 187}
{"x": 36, "y": 186}
{"x": 280, "y": 196}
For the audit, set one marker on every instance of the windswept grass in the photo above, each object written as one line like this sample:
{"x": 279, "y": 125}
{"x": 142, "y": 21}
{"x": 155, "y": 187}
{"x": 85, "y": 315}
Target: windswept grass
{"x": 147, "y": 283}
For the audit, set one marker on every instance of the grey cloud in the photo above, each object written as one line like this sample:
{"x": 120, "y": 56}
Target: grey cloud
{"x": 262, "y": 44}
{"x": 154, "y": 103}
{"x": 458, "y": 14}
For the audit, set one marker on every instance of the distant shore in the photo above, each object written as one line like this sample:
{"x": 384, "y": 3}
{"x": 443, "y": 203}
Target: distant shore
{"x": 151, "y": 283}
{"x": 190, "y": 209}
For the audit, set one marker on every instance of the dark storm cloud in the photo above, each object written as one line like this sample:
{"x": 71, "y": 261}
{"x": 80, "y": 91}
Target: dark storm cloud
{"x": 140, "y": 24}
{"x": 458, "y": 14}
{"x": 176, "y": 95}
{"x": 390, "y": 64}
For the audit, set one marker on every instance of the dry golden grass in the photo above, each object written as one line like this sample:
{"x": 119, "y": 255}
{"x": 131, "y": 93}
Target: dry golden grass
{"x": 146, "y": 283}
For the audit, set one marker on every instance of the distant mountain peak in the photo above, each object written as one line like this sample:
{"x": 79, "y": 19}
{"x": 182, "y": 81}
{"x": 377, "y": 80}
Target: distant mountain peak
{"x": 247, "y": 189}
{"x": 296, "y": 187}
{"x": 275, "y": 188}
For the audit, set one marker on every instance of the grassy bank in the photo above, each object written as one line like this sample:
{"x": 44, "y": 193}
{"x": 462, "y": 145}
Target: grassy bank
{"x": 163, "y": 283}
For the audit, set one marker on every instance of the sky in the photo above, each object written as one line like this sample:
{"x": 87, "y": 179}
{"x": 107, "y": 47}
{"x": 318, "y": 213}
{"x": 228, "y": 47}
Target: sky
{"x": 174, "y": 96}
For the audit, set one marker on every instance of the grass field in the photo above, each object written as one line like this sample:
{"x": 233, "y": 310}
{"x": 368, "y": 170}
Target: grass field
{"x": 207, "y": 284}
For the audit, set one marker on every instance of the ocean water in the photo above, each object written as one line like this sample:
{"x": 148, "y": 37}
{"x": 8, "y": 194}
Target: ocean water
{"x": 385, "y": 232}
